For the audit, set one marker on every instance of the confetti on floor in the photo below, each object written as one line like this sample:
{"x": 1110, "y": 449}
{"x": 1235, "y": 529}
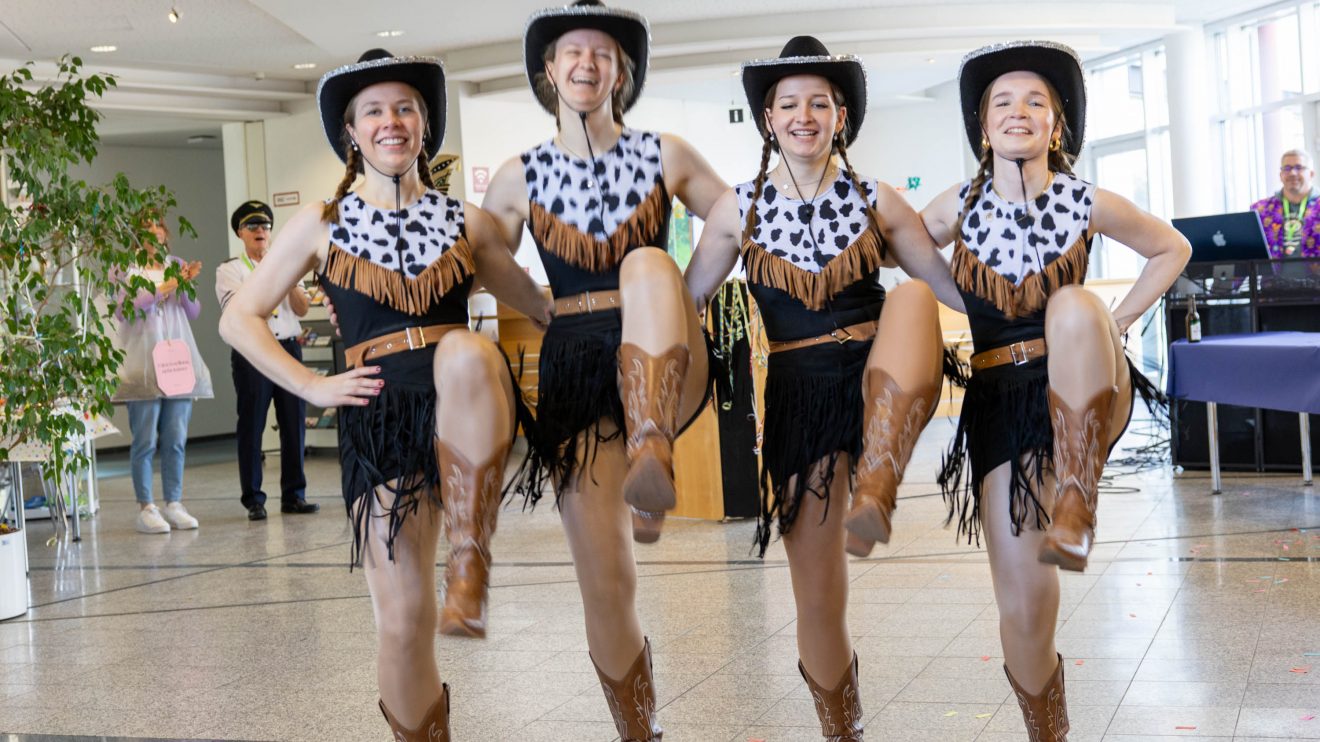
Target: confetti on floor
{"x": 1184, "y": 727}
{"x": 1301, "y": 670}
{"x": 986, "y": 716}
{"x": 1308, "y": 717}
{"x": 950, "y": 713}
{"x": 985, "y": 658}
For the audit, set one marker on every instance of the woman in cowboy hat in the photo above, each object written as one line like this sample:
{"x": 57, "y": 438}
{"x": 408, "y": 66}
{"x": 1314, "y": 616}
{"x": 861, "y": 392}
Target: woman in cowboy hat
{"x": 428, "y": 408}
{"x": 624, "y": 363}
{"x": 812, "y": 235}
{"x": 1037, "y": 427}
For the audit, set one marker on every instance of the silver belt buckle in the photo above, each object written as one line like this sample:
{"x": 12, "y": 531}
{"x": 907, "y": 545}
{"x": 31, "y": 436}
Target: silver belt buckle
{"x": 841, "y": 335}
{"x": 421, "y": 338}
{"x": 584, "y": 303}
{"x": 1014, "y": 349}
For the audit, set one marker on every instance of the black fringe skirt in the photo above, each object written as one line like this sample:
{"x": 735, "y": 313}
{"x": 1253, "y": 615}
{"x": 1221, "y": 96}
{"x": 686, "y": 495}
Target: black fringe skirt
{"x": 392, "y": 439}
{"x": 578, "y": 389}
{"x": 813, "y": 414}
{"x": 1006, "y": 418}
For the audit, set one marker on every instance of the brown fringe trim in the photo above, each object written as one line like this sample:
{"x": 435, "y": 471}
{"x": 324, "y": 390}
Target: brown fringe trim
{"x": 386, "y": 285}
{"x": 1030, "y": 296}
{"x": 588, "y": 253}
{"x": 856, "y": 261}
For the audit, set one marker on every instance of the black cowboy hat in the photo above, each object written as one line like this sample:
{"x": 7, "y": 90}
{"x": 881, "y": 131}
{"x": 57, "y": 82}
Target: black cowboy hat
{"x": 338, "y": 86}
{"x": 629, "y": 29}
{"x": 805, "y": 55}
{"x": 1055, "y": 62}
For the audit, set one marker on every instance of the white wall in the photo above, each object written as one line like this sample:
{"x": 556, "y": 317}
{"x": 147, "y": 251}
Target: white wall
{"x": 197, "y": 178}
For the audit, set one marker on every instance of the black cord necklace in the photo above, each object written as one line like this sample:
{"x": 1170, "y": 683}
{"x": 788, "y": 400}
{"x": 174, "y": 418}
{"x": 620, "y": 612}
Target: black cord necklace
{"x": 399, "y": 245}
{"x": 810, "y": 206}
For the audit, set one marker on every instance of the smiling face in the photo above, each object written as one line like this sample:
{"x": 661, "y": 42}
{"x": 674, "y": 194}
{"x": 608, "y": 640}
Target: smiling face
{"x": 1295, "y": 173}
{"x": 1020, "y": 115}
{"x": 584, "y": 67}
{"x": 388, "y": 121}
{"x": 804, "y": 115}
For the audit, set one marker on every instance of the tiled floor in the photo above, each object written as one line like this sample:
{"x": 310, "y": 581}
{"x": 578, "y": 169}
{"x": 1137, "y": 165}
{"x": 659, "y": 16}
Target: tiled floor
{"x": 1198, "y": 618}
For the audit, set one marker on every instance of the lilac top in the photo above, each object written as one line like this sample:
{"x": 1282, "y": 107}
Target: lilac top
{"x": 145, "y": 301}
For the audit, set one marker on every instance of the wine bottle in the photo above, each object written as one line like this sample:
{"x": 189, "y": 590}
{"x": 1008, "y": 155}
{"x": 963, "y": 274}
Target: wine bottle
{"x": 1193, "y": 321}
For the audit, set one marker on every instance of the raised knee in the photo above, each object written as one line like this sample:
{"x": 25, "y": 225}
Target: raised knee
{"x": 914, "y": 291}
{"x": 406, "y": 620}
{"x": 649, "y": 264}
{"x": 463, "y": 356}
{"x": 1023, "y": 618}
{"x": 1073, "y": 309}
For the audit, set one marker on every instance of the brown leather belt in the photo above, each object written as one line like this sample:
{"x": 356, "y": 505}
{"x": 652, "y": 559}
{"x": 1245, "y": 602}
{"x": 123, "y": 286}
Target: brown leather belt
{"x": 411, "y": 338}
{"x": 1014, "y": 353}
{"x": 588, "y": 302}
{"x": 859, "y": 331}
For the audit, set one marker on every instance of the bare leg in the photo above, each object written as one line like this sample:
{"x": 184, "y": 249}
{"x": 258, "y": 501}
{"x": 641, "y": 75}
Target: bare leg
{"x": 1086, "y": 351}
{"x": 474, "y": 396}
{"x": 599, "y": 531}
{"x": 819, "y": 570}
{"x": 1090, "y": 394}
{"x": 662, "y": 378}
{"x": 474, "y": 428}
{"x": 900, "y": 388}
{"x": 1026, "y": 591}
{"x": 403, "y": 599}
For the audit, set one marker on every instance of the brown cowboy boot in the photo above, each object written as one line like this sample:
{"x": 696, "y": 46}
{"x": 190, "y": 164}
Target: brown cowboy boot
{"x": 1046, "y": 713}
{"x": 651, "y": 388}
{"x": 471, "y": 504}
{"x": 839, "y": 710}
{"x": 1081, "y": 444}
{"x": 892, "y": 422}
{"x": 632, "y": 699}
{"x": 434, "y": 726}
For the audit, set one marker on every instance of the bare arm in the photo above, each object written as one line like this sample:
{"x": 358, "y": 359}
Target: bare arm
{"x": 298, "y": 300}
{"x": 1166, "y": 251}
{"x": 716, "y": 252}
{"x": 913, "y": 247}
{"x": 301, "y": 246}
{"x": 689, "y": 176}
{"x": 497, "y": 271}
{"x": 506, "y": 202}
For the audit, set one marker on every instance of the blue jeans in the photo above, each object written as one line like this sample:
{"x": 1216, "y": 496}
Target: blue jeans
{"x": 163, "y": 421}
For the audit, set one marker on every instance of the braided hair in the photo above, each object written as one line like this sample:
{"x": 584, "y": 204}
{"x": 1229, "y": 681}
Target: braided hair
{"x": 857, "y": 185}
{"x": 759, "y": 185}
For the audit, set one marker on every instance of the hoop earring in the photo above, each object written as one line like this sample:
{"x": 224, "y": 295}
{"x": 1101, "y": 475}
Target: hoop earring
{"x": 985, "y": 142}
{"x": 1054, "y": 145}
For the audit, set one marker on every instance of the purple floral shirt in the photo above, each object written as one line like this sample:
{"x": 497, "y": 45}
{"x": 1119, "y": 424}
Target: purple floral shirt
{"x": 1271, "y": 218}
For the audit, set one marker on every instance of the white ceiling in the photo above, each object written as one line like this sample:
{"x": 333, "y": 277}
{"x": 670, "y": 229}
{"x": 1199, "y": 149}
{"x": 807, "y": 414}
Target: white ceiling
{"x": 232, "y": 60}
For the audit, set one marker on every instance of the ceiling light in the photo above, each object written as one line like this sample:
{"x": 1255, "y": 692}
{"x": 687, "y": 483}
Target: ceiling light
{"x": 388, "y": 34}
{"x": 201, "y": 138}
{"x": 104, "y": 48}
{"x": 930, "y": 60}
{"x": 174, "y": 14}
{"x": 305, "y": 66}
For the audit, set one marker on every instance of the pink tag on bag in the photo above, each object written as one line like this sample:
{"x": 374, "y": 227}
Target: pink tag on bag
{"x": 174, "y": 368}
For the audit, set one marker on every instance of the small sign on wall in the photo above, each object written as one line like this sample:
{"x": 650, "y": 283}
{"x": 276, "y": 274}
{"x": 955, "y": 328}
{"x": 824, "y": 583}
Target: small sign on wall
{"x": 287, "y": 198}
{"x": 480, "y": 179}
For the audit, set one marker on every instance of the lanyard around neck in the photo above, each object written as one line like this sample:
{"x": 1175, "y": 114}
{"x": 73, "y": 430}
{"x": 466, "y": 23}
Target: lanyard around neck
{"x": 1301, "y": 210}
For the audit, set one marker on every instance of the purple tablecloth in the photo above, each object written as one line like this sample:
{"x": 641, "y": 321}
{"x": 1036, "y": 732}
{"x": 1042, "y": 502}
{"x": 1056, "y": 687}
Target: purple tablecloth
{"x": 1271, "y": 370}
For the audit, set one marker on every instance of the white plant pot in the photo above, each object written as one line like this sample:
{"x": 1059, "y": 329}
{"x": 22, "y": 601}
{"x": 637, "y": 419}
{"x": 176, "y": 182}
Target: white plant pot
{"x": 13, "y": 575}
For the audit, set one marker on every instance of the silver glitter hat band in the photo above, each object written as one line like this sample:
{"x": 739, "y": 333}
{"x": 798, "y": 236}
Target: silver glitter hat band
{"x": 338, "y": 86}
{"x": 1056, "y": 63}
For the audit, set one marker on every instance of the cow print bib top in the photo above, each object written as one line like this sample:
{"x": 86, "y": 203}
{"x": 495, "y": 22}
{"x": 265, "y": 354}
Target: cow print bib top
{"x": 388, "y": 270}
{"x": 584, "y": 221}
{"x": 812, "y": 265}
{"x": 1008, "y": 259}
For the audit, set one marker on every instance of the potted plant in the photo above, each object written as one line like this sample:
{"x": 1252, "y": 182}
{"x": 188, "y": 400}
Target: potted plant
{"x": 63, "y": 245}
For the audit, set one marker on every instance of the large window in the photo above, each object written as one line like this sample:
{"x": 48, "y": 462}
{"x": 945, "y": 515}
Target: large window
{"x": 1127, "y": 152}
{"x": 1267, "y": 74}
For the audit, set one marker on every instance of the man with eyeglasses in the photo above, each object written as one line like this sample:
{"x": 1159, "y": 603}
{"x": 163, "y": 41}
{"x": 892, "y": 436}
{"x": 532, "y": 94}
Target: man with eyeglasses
{"x": 252, "y": 222}
{"x": 1291, "y": 217}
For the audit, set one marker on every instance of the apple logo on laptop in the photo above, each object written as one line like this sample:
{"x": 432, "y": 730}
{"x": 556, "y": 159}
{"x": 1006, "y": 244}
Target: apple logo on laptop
{"x": 1218, "y": 239}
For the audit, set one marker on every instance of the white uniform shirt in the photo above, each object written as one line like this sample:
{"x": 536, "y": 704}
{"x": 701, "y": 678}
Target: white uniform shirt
{"x": 231, "y": 274}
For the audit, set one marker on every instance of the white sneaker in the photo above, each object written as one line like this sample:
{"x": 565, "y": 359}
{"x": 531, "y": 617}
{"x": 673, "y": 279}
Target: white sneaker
{"x": 179, "y": 517}
{"x": 149, "y": 521}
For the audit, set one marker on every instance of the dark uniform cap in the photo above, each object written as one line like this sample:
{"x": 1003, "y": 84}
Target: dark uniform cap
{"x": 251, "y": 211}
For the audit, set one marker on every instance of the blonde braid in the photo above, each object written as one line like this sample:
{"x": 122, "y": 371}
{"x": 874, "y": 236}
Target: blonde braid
{"x": 352, "y": 166}
{"x": 424, "y": 171}
{"x": 857, "y": 185}
{"x": 756, "y": 193}
{"x": 983, "y": 170}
